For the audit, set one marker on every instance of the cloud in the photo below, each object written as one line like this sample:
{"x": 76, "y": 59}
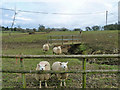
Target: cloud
{"x": 6, "y": 21}
{"x": 23, "y": 18}
{"x": 86, "y": 7}
{"x": 6, "y": 15}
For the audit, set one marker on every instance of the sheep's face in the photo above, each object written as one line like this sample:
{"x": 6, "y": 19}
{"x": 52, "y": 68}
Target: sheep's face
{"x": 64, "y": 65}
{"x": 59, "y": 47}
{"x": 42, "y": 66}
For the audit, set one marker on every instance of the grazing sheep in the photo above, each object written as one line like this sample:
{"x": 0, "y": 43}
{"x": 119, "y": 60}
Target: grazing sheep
{"x": 45, "y": 47}
{"x": 43, "y": 65}
{"x": 60, "y": 66}
{"x": 57, "y": 50}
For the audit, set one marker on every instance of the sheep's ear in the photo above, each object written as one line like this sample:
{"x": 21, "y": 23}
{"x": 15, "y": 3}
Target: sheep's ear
{"x": 60, "y": 63}
{"x": 38, "y": 65}
{"x": 66, "y": 62}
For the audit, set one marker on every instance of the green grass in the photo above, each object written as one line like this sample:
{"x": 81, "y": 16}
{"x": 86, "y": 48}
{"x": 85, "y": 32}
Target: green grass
{"x": 32, "y": 44}
{"x": 11, "y": 80}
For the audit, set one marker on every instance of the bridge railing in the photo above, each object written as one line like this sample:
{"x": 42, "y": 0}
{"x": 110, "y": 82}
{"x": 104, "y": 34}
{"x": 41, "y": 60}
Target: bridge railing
{"x": 83, "y": 71}
{"x": 64, "y": 38}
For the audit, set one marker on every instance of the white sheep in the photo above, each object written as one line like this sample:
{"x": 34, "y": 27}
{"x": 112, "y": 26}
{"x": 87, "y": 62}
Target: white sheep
{"x": 43, "y": 65}
{"x": 45, "y": 47}
{"x": 57, "y": 50}
{"x": 60, "y": 66}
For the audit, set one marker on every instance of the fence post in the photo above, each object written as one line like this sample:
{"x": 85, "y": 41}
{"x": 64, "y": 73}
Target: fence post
{"x": 23, "y": 75}
{"x": 72, "y": 39}
{"x": 84, "y": 74}
{"x": 47, "y": 39}
{"x": 51, "y": 39}
{"x": 62, "y": 39}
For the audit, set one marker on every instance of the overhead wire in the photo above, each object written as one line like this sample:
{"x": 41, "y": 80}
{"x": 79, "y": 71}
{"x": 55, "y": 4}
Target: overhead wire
{"x": 84, "y": 13}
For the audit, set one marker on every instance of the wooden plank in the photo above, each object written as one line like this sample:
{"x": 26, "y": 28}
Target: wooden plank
{"x": 58, "y": 72}
{"x": 66, "y": 43}
{"x": 65, "y": 56}
{"x": 84, "y": 74}
{"x": 64, "y": 35}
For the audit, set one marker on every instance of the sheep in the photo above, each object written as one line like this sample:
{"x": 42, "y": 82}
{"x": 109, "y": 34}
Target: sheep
{"x": 60, "y": 66}
{"x": 45, "y": 47}
{"x": 57, "y": 50}
{"x": 43, "y": 65}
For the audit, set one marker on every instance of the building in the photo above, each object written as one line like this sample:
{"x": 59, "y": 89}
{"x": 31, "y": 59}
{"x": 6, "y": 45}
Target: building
{"x": 119, "y": 12}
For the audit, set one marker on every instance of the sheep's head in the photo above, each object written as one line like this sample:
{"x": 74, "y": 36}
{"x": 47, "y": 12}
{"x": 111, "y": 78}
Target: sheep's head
{"x": 48, "y": 44}
{"x": 41, "y": 66}
{"x": 59, "y": 47}
{"x": 64, "y": 65}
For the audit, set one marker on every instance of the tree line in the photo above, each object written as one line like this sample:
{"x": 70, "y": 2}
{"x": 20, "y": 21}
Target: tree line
{"x": 42, "y": 28}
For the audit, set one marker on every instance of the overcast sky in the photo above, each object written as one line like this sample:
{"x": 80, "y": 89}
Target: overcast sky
{"x": 75, "y": 13}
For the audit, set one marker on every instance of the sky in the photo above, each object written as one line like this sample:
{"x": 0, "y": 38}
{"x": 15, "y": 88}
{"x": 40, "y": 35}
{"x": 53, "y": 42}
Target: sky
{"x": 71, "y": 13}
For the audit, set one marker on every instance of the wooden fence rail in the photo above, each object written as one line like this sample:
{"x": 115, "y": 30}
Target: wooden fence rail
{"x": 83, "y": 71}
{"x": 59, "y": 72}
{"x": 64, "y": 56}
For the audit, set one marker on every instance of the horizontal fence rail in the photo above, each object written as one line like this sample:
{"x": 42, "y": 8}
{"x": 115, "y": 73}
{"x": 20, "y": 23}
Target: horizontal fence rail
{"x": 64, "y": 56}
{"x": 64, "y": 35}
{"x": 59, "y": 72}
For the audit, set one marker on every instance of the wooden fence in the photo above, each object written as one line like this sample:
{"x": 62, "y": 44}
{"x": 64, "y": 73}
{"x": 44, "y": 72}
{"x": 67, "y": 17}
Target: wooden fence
{"x": 64, "y": 38}
{"x": 84, "y": 71}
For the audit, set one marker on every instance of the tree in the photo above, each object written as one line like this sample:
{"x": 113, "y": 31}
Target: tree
{"x": 41, "y": 28}
{"x": 63, "y": 29}
{"x": 112, "y": 27}
{"x": 96, "y": 28}
{"x": 48, "y": 30}
{"x": 77, "y": 29}
{"x": 34, "y": 30}
{"x": 88, "y": 29}
{"x": 7, "y": 29}
{"x": 3, "y": 28}
{"x": 15, "y": 29}
{"x": 27, "y": 30}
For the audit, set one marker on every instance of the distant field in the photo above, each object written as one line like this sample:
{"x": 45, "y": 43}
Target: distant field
{"x": 32, "y": 44}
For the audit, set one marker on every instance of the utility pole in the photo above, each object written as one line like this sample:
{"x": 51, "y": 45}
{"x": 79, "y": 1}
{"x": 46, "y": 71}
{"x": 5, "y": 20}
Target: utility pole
{"x": 106, "y": 17}
{"x": 13, "y": 21}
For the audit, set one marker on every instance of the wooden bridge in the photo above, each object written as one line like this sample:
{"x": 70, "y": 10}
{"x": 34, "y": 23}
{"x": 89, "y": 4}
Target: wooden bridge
{"x": 64, "y": 39}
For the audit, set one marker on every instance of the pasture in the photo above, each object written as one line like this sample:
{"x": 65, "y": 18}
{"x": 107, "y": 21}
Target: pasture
{"x": 27, "y": 44}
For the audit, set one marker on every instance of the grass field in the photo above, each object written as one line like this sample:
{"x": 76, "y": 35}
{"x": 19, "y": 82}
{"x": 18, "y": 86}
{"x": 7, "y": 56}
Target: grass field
{"x": 32, "y": 44}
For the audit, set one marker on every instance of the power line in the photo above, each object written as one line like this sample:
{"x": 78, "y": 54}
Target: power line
{"x": 53, "y": 13}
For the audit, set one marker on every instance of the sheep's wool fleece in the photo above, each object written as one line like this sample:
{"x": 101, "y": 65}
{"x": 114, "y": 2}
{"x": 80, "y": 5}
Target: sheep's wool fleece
{"x": 46, "y": 47}
{"x": 57, "y": 50}
{"x": 43, "y": 77}
{"x": 56, "y": 67}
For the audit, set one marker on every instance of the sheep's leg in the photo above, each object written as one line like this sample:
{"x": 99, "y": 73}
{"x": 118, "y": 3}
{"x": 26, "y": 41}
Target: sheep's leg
{"x": 61, "y": 83}
{"x": 40, "y": 85}
{"x": 44, "y": 52}
{"x": 53, "y": 53}
{"x": 64, "y": 83}
{"x": 45, "y": 84}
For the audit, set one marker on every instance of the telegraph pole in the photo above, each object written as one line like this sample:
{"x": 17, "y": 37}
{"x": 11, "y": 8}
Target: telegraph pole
{"x": 106, "y": 17}
{"x": 13, "y": 21}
